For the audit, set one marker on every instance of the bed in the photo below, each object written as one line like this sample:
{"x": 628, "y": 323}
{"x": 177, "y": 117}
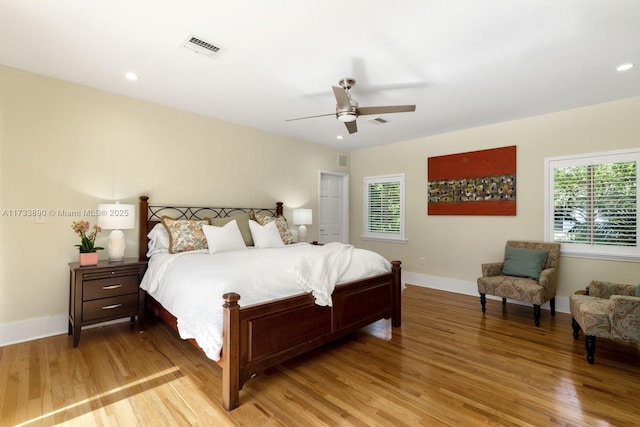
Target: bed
{"x": 258, "y": 336}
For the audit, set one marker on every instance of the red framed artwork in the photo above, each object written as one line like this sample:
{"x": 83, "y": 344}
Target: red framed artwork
{"x": 473, "y": 183}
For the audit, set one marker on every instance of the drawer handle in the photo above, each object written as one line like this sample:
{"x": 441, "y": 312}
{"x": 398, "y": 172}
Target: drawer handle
{"x": 108, "y": 288}
{"x": 112, "y": 306}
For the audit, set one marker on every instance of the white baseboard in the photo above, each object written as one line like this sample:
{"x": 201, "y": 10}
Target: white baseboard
{"x": 32, "y": 329}
{"x": 469, "y": 288}
{"x": 41, "y": 327}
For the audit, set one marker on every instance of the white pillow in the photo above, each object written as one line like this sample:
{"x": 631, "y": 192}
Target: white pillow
{"x": 158, "y": 240}
{"x": 225, "y": 238}
{"x": 265, "y": 236}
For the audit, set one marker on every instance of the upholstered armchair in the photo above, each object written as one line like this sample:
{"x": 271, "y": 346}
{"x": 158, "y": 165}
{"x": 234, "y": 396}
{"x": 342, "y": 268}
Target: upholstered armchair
{"x": 528, "y": 273}
{"x": 609, "y": 310}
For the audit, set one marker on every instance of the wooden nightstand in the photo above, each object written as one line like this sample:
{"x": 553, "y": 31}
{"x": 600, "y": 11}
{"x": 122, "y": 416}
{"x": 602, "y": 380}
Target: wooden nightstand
{"x": 107, "y": 291}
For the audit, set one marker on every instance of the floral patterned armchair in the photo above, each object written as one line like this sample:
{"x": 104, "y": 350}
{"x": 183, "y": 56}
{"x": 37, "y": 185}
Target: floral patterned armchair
{"x": 528, "y": 273}
{"x": 609, "y": 310}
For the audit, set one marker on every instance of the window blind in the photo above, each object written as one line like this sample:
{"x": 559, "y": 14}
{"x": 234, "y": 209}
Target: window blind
{"x": 596, "y": 204}
{"x": 384, "y": 207}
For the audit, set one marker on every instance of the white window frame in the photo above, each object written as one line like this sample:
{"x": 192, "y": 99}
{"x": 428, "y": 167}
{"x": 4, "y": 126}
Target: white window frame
{"x": 388, "y": 236}
{"x": 606, "y": 252}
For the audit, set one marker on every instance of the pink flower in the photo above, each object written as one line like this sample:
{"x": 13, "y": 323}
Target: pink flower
{"x": 87, "y": 240}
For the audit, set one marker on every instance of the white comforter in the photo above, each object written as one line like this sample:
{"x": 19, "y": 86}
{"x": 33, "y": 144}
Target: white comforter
{"x": 190, "y": 285}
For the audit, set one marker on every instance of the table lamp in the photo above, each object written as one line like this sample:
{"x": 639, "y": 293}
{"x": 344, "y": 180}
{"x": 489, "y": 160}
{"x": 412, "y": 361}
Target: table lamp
{"x": 302, "y": 217}
{"x": 116, "y": 217}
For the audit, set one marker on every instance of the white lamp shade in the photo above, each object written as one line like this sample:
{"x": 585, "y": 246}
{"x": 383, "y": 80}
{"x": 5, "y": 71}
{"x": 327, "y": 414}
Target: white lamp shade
{"x": 116, "y": 216}
{"x": 302, "y": 216}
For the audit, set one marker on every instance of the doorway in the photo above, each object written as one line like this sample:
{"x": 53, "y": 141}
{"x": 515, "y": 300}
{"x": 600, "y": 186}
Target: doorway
{"x": 333, "y": 207}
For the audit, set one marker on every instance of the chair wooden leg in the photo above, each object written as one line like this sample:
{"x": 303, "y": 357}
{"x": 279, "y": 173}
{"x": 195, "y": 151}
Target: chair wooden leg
{"x": 576, "y": 328}
{"x": 552, "y": 305}
{"x": 590, "y": 345}
{"x": 504, "y": 301}
{"x": 483, "y": 302}
{"x": 536, "y": 314}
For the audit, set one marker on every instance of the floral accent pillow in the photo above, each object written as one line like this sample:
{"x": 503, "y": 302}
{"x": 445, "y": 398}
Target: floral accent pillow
{"x": 185, "y": 234}
{"x": 281, "y": 222}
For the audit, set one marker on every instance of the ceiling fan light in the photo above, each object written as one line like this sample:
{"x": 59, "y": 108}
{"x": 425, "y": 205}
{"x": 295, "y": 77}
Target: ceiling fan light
{"x": 347, "y": 116}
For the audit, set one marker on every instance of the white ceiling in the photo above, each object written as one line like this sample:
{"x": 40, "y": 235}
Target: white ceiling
{"x": 464, "y": 63}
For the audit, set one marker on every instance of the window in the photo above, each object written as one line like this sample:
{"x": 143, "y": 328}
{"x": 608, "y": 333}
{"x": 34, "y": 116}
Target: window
{"x": 591, "y": 204}
{"x": 384, "y": 207}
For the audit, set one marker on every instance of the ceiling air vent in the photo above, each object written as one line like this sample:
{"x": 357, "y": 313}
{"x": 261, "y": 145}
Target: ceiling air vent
{"x": 378, "y": 121}
{"x": 199, "y": 45}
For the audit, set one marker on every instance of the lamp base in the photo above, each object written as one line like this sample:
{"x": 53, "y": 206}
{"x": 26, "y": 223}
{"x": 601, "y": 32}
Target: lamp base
{"x": 116, "y": 245}
{"x": 302, "y": 233}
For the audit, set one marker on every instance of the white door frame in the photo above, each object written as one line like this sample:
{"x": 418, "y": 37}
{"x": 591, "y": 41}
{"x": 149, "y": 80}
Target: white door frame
{"x": 345, "y": 201}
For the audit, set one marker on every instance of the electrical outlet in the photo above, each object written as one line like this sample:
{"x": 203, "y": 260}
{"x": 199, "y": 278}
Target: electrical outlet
{"x": 422, "y": 261}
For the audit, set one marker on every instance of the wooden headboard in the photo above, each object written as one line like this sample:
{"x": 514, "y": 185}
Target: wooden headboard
{"x": 150, "y": 216}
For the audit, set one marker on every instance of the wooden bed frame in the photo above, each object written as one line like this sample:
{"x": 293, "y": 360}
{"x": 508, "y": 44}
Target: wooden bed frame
{"x": 259, "y": 336}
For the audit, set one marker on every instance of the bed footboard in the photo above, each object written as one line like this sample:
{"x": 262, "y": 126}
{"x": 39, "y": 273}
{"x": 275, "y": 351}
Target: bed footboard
{"x": 258, "y": 337}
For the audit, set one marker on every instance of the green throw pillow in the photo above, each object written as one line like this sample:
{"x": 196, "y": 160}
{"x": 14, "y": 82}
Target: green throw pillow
{"x": 524, "y": 262}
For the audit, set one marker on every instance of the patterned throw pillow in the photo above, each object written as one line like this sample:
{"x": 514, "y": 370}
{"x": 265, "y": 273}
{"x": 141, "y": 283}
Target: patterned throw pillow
{"x": 281, "y": 223}
{"x": 185, "y": 234}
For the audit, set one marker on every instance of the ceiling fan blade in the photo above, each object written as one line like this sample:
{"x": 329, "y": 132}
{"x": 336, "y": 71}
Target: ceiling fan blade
{"x": 363, "y": 111}
{"x": 351, "y": 126}
{"x": 311, "y": 117}
{"x": 342, "y": 99}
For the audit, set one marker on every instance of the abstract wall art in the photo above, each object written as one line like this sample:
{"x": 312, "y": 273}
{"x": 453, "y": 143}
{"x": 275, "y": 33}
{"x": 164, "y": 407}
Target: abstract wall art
{"x": 473, "y": 183}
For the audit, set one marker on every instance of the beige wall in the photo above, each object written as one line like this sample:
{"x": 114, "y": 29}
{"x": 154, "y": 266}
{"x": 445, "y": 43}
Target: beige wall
{"x": 64, "y": 146}
{"x": 455, "y": 246}
{"x": 68, "y": 147}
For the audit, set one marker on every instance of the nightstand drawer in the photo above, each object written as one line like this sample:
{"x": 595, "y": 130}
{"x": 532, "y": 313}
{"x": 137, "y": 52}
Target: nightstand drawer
{"x": 111, "y": 271}
{"x": 110, "y": 307}
{"x": 109, "y": 287}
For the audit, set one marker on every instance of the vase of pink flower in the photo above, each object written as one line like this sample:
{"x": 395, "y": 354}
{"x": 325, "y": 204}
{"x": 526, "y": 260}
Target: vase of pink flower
{"x": 87, "y": 247}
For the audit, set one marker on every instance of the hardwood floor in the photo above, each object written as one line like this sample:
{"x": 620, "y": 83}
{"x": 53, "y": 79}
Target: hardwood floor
{"x": 447, "y": 365}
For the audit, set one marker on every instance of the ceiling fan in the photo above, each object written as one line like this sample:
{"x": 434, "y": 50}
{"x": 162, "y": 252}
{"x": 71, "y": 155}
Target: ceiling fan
{"x": 347, "y": 110}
